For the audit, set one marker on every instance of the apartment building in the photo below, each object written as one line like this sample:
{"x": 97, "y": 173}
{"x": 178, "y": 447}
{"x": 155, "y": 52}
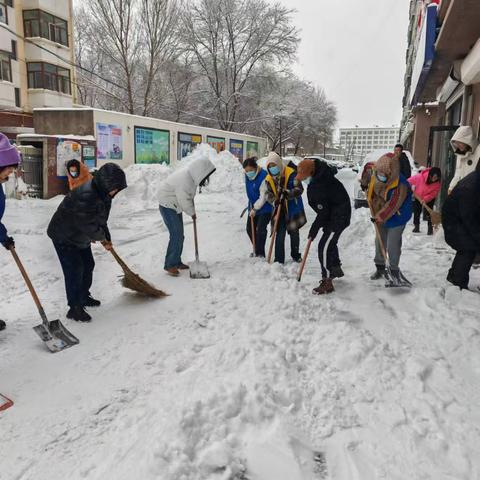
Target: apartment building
{"x": 36, "y": 57}
{"x": 442, "y": 79}
{"x": 360, "y": 141}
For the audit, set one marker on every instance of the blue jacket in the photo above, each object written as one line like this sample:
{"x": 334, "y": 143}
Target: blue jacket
{"x": 3, "y": 230}
{"x": 404, "y": 214}
{"x": 253, "y": 192}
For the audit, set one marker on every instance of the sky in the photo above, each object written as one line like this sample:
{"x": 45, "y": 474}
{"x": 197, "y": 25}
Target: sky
{"x": 355, "y": 51}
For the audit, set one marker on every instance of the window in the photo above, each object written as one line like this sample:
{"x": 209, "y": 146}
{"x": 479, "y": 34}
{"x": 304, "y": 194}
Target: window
{"x": 42, "y": 24}
{"x": 49, "y": 77}
{"x": 14, "y": 50}
{"x": 3, "y": 12}
{"x": 17, "y": 97}
{"x": 5, "y": 67}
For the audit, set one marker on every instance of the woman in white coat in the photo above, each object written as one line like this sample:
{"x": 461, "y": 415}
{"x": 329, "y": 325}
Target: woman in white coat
{"x": 465, "y": 145}
{"x": 176, "y": 195}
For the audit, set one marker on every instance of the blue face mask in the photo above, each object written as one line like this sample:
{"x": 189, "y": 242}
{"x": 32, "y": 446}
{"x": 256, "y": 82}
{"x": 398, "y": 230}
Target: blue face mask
{"x": 251, "y": 175}
{"x": 381, "y": 178}
{"x": 274, "y": 171}
{"x": 74, "y": 174}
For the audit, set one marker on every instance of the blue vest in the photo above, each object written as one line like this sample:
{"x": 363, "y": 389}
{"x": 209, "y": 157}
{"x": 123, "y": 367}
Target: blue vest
{"x": 3, "y": 230}
{"x": 294, "y": 205}
{"x": 403, "y": 216}
{"x": 253, "y": 192}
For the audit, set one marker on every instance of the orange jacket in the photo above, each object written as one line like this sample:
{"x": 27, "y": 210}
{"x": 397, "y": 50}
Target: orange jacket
{"x": 83, "y": 177}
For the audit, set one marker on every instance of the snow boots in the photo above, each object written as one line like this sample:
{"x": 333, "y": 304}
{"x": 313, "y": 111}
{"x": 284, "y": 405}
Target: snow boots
{"x": 92, "y": 302}
{"x": 182, "y": 266}
{"x": 416, "y": 229}
{"x": 336, "y": 272}
{"x": 2, "y": 325}
{"x": 380, "y": 273}
{"x": 173, "y": 272}
{"x": 78, "y": 314}
{"x": 325, "y": 287}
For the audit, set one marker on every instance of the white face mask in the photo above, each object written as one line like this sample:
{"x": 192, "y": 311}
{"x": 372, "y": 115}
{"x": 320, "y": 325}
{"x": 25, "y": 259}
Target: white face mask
{"x": 307, "y": 180}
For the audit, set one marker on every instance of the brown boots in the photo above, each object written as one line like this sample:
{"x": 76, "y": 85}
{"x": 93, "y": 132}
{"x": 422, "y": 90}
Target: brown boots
{"x": 326, "y": 286}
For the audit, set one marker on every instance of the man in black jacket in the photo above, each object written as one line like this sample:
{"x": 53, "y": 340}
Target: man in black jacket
{"x": 80, "y": 220}
{"x": 329, "y": 199}
{"x": 405, "y": 167}
{"x": 461, "y": 224}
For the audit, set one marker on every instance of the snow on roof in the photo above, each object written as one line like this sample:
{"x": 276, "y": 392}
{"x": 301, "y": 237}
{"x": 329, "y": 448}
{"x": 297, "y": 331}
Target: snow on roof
{"x": 139, "y": 117}
{"x": 69, "y": 136}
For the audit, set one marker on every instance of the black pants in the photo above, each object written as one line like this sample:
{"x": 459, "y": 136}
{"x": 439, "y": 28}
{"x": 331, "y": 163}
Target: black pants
{"x": 417, "y": 213}
{"x": 328, "y": 251}
{"x": 261, "y": 223}
{"x": 77, "y": 265}
{"x": 460, "y": 270}
{"x": 295, "y": 244}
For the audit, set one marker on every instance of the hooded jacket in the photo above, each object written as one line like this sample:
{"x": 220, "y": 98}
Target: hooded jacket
{"x": 84, "y": 174}
{"x": 466, "y": 162}
{"x": 179, "y": 189}
{"x": 461, "y": 215}
{"x": 287, "y": 185}
{"x": 423, "y": 190}
{"x": 82, "y": 216}
{"x": 329, "y": 199}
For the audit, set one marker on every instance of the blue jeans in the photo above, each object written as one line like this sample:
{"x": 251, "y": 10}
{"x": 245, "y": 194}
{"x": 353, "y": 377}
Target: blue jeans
{"x": 174, "y": 223}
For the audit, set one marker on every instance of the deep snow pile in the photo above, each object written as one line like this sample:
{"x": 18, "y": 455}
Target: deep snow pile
{"x": 243, "y": 376}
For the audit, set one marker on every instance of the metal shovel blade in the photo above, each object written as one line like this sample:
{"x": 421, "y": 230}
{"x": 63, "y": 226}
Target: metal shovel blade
{"x": 199, "y": 270}
{"x": 56, "y": 336}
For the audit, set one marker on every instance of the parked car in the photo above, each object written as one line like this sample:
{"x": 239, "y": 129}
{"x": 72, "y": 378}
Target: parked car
{"x": 333, "y": 163}
{"x": 359, "y": 197}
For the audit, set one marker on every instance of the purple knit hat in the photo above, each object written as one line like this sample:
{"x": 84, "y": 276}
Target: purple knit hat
{"x": 9, "y": 156}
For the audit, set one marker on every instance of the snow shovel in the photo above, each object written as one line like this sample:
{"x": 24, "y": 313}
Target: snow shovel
{"x": 304, "y": 261}
{"x": 5, "y": 402}
{"x": 53, "y": 333}
{"x": 274, "y": 233}
{"x": 198, "y": 269}
{"x": 391, "y": 281}
{"x": 254, "y": 236}
{"x": 134, "y": 282}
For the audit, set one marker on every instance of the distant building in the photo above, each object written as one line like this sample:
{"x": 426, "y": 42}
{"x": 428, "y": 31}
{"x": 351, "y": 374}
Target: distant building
{"x": 360, "y": 141}
{"x": 442, "y": 79}
{"x": 36, "y": 57}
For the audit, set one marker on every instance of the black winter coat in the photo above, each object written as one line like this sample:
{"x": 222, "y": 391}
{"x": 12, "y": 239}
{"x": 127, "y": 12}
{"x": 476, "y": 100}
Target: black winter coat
{"x": 329, "y": 199}
{"x": 82, "y": 216}
{"x": 461, "y": 215}
{"x": 405, "y": 167}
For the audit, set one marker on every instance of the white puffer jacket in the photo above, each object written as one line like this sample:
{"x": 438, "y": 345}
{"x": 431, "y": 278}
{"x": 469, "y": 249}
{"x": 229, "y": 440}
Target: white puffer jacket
{"x": 466, "y": 163}
{"x": 178, "y": 190}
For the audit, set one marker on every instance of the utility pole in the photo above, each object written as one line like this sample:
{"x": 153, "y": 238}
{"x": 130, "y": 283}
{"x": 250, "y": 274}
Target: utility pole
{"x": 281, "y": 136}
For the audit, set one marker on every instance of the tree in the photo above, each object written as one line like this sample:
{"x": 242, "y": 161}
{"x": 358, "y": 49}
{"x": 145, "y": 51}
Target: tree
{"x": 229, "y": 39}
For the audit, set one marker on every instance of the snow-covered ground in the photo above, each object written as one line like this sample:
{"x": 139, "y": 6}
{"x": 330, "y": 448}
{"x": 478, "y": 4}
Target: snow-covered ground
{"x": 243, "y": 376}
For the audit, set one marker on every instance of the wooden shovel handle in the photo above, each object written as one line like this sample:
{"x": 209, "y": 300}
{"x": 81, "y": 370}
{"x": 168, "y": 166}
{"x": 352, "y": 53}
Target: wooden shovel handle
{"x": 379, "y": 237}
{"x": 29, "y": 284}
{"x": 304, "y": 260}
{"x": 254, "y": 235}
{"x": 274, "y": 233}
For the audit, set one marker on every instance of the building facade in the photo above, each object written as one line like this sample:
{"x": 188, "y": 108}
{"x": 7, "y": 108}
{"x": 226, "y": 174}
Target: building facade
{"x": 36, "y": 60}
{"x": 360, "y": 141}
{"x": 442, "y": 79}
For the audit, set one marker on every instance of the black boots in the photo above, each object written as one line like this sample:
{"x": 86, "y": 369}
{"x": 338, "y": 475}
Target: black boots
{"x": 416, "y": 229}
{"x": 78, "y": 314}
{"x": 379, "y": 274}
{"x": 91, "y": 302}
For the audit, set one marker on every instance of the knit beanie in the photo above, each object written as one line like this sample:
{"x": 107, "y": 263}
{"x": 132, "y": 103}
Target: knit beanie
{"x": 9, "y": 156}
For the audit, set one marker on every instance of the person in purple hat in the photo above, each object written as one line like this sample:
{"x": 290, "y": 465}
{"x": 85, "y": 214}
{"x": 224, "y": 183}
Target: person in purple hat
{"x": 9, "y": 160}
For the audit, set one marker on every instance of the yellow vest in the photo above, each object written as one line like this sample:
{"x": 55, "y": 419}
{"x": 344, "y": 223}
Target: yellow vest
{"x": 288, "y": 173}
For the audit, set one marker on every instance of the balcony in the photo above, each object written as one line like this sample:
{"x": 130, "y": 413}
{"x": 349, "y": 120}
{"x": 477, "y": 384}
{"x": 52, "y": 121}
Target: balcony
{"x": 40, "y": 98}
{"x": 60, "y": 8}
{"x": 7, "y": 95}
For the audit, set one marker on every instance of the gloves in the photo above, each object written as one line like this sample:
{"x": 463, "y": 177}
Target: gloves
{"x": 313, "y": 231}
{"x": 8, "y": 243}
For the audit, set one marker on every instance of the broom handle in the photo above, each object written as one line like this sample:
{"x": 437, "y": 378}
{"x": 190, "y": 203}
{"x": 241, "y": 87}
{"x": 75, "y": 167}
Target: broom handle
{"x": 304, "y": 261}
{"x": 254, "y": 235}
{"x": 274, "y": 233}
{"x": 195, "y": 235}
{"x": 424, "y": 205}
{"x": 25, "y": 276}
{"x": 119, "y": 260}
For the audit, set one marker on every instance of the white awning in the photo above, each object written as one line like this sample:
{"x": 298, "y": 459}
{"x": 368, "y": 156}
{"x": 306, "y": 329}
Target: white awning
{"x": 470, "y": 69}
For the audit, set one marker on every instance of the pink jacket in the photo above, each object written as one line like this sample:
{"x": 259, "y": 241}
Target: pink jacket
{"x": 422, "y": 189}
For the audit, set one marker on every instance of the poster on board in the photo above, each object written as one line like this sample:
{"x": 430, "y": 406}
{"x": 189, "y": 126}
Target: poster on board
{"x": 187, "y": 143}
{"x": 252, "y": 149}
{"x": 67, "y": 150}
{"x": 216, "y": 143}
{"x": 88, "y": 155}
{"x": 236, "y": 148}
{"x": 109, "y": 142}
{"x": 152, "y": 146}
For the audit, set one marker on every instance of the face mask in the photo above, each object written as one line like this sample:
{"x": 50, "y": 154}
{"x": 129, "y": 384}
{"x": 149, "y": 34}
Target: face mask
{"x": 251, "y": 175}
{"x": 381, "y": 178}
{"x": 274, "y": 171}
{"x": 307, "y": 180}
{"x": 74, "y": 174}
